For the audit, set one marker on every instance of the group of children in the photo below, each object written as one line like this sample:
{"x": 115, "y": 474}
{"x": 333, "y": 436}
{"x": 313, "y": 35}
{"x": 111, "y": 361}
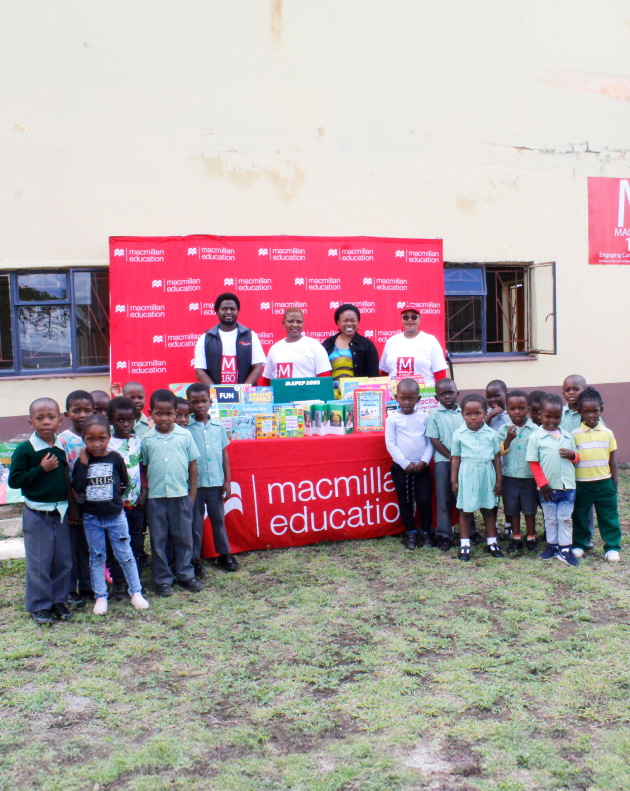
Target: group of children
{"x": 91, "y": 491}
{"x": 530, "y": 449}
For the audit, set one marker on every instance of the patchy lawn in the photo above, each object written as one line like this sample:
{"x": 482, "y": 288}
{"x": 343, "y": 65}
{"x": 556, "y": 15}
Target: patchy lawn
{"x": 353, "y": 666}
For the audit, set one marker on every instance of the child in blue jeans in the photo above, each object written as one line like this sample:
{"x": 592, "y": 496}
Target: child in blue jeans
{"x": 552, "y": 454}
{"x": 101, "y": 475}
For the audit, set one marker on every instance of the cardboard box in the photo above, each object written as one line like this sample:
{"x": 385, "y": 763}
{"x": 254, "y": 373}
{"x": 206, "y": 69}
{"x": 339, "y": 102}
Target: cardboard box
{"x": 286, "y": 391}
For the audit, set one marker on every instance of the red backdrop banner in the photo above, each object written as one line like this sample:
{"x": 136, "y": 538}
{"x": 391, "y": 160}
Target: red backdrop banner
{"x": 163, "y": 291}
{"x": 608, "y": 221}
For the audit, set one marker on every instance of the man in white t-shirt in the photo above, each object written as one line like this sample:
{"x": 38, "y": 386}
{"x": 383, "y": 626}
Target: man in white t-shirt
{"x": 296, "y": 356}
{"x": 412, "y": 352}
{"x": 228, "y": 353}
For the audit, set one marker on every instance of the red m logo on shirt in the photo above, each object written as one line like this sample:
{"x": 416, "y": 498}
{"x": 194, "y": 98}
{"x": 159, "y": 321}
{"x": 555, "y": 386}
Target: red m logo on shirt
{"x": 404, "y": 366}
{"x": 285, "y": 370}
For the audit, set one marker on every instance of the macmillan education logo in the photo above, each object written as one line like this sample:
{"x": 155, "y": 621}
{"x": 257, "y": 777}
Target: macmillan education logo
{"x": 278, "y": 308}
{"x": 386, "y": 283}
{"x": 249, "y": 283}
{"x": 142, "y": 366}
{"x": 174, "y": 286}
{"x": 419, "y": 256}
{"x": 212, "y": 253}
{"x": 150, "y": 256}
{"x": 142, "y": 311}
{"x": 318, "y": 283}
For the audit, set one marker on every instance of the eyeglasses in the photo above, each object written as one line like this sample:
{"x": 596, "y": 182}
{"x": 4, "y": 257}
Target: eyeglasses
{"x": 410, "y": 316}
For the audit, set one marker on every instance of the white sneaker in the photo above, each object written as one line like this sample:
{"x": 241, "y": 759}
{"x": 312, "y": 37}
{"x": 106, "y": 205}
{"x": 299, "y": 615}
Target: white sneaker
{"x": 139, "y": 602}
{"x": 100, "y": 606}
{"x": 579, "y": 553}
{"x": 612, "y": 556}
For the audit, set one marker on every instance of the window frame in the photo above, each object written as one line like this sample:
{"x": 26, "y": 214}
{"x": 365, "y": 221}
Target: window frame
{"x": 529, "y": 352}
{"x": 15, "y": 304}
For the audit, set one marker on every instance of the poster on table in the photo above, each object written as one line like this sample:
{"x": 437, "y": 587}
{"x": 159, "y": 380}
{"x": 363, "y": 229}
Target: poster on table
{"x": 608, "y": 220}
{"x": 162, "y": 292}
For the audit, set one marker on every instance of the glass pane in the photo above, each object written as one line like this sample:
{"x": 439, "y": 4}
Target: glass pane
{"x": 6, "y": 333}
{"x": 505, "y": 310}
{"x": 42, "y": 287}
{"x": 464, "y": 281}
{"x": 91, "y": 299}
{"x": 463, "y": 325}
{"x": 44, "y": 336}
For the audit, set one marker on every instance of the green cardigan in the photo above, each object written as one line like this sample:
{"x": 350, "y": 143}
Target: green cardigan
{"x": 27, "y": 474}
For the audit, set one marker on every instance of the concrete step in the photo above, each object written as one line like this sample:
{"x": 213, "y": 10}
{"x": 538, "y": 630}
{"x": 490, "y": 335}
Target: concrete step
{"x": 11, "y": 548}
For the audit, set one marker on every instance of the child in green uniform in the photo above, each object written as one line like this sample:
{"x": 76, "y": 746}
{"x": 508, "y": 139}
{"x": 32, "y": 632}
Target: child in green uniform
{"x": 476, "y": 474}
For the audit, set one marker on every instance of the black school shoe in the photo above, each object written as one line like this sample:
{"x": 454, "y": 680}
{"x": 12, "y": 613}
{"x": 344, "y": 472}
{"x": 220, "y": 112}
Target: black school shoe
{"x": 41, "y": 617}
{"x": 227, "y": 563}
{"x": 76, "y": 600}
{"x": 464, "y": 553}
{"x": 200, "y": 572}
{"x": 164, "y": 590}
{"x": 445, "y": 544}
{"x": 429, "y": 540}
{"x": 494, "y": 551}
{"x": 410, "y": 541}
{"x": 118, "y": 592}
{"x": 515, "y": 546}
{"x": 532, "y": 545}
{"x": 191, "y": 585}
{"x": 61, "y": 612}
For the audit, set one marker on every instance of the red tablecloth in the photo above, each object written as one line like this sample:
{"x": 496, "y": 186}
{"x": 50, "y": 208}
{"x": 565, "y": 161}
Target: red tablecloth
{"x": 290, "y": 492}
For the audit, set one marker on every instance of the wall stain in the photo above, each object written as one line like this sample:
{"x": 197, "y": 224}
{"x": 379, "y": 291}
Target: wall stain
{"x": 276, "y": 21}
{"x": 18, "y": 128}
{"x": 576, "y": 150}
{"x": 287, "y": 179}
{"x": 466, "y": 206}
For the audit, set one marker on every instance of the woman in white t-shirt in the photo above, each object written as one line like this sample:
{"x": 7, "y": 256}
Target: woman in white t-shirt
{"x": 296, "y": 356}
{"x": 412, "y": 352}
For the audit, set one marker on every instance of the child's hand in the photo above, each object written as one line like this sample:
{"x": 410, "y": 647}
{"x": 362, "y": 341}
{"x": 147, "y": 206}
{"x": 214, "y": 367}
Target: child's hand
{"x": 511, "y": 434}
{"x": 49, "y": 462}
{"x": 496, "y": 410}
{"x": 567, "y": 453}
{"x": 115, "y": 390}
{"x": 497, "y": 488}
{"x": 455, "y": 488}
{"x": 74, "y": 514}
{"x": 226, "y": 491}
{"x": 545, "y": 492}
{"x": 83, "y": 458}
{"x": 142, "y": 500}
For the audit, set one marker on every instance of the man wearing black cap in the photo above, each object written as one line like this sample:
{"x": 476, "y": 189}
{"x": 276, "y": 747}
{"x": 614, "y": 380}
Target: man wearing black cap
{"x": 228, "y": 353}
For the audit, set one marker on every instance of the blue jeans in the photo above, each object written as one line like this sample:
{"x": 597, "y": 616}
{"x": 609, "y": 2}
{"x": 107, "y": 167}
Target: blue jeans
{"x": 117, "y": 530}
{"x": 558, "y": 517}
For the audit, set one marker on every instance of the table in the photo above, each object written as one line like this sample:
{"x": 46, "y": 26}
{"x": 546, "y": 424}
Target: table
{"x": 291, "y": 492}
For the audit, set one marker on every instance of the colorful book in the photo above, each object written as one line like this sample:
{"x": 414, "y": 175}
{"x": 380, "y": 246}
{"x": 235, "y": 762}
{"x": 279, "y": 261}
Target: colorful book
{"x": 244, "y": 427}
{"x": 369, "y": 410}
{"x": 290, "y": 422}
{"x": 266, "y": 426}
{"x": 320, "y": 419}
{"x": 251, "y": 394}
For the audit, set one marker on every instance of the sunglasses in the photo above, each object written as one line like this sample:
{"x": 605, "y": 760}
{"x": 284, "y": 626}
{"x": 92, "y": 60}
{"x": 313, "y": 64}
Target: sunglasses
{"x": 410, "y": 316}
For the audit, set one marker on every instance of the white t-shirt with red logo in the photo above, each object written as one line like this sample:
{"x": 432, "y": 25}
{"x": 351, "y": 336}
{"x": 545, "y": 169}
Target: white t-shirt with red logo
{"x": 229, "y": 372}
{"x": 303, "y": 358}
{"x": 419, "y": 356}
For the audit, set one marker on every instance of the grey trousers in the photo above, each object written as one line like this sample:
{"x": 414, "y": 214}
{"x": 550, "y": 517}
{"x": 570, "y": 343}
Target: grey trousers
{"x": 48, "y": 559}
{"x": 209, "y": 497}
{"x": 444, "y": 499}
{"x": 170, "y": 530}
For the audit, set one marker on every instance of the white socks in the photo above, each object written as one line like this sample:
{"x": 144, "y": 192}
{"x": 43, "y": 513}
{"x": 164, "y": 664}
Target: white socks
{"x": 491, "y": 540}
{"x": 465, "y": 542}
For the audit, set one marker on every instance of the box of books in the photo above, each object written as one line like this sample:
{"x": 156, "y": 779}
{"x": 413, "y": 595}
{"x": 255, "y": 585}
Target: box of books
{"x": 320, "y": 419}
{"x": 286, "y": 391}
{"x": 348, "y": 385}
{"x": 290, "y": 421}
{"x": 266, "y": 426}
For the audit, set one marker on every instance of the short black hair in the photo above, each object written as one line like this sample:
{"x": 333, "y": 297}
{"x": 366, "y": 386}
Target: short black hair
{"x": 197, "y": 387}
{"x": 408, "y": 383}
{"x": 347, "y": 306}
{"x": 182, "y": 401}
{"x": 447, "y": 380}
{"x": 224, "y": 296}
{"x": 590, "y": 394}
{"x": 78, "y": 395}
{"x": 550, "y": 398}
{"x": 96, "y": 420}
{"x": 474, "y": 397}
{"x": 100, "y": 392}
{"x": 39, "y": 401}
{"x": 516, "y": 394}
{"x": 120, "y": 402}
{"x": 497, "y": 383}
{"x": 163, "y": 396}
{"x": 536, "y": 396}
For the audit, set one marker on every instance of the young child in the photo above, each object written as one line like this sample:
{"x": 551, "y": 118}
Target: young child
{"x": 476, "y": 474}
{"x": 101, "y": 400}
{"x": 135, "y": 391}
{"x": 121, "y": 414}
{"x": 79, "y": 406}
{"x": 552, "y": 454}
{"x": 214, "y": 478}
{"x": 596, "y": 479}
{"x": 533, "y": 403}
{"x": 182, "y": 415}
{"x": 170, "y": 454}
{"x": 101, "y": 476}
{"x": 443, "y": 421}
{"x": 405, "y": 438}
{"x": 571, "y": 389}
{"x": 520, "y": 495}
{"x": 40, "y": 469}
{"x": 496, "y": 395}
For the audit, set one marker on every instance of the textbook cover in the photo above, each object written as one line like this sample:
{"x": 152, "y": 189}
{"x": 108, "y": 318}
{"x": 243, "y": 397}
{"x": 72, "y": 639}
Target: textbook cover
{"x": 290, "y": 422}
{"x": 369, "y": 410}
{"x": 337, "y": 424}
{"x": 251, "y": 394}
{"x": 227, "y": 416}
{"x": 320, "y": 419}
{"x": 225, "y": 394}
{"x": 348, "y": 385}
{"x": 266, "y": 426}
{"x": 244, "y": 427}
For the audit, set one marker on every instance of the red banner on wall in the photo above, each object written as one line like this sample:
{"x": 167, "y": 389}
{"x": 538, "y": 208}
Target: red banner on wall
{"x": 608, "y": 221}
{"x": 163, "y": 291}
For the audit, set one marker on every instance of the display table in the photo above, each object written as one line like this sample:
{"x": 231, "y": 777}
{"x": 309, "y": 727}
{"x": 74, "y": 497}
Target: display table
{"x": 290, "y": 492}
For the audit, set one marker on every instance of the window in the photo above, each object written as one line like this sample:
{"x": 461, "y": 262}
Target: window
{"x": 52, "y": 322}
{"x": 500, "y": 309}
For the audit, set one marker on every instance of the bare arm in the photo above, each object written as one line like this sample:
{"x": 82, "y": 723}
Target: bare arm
{"x": 440, "y": 447}
{"x": 254, "y": 374}
{"x": 193, "y": 477}
{"x": 202, "y": 376}
{"x": 613, "y": 467}
{"x": 497, "y": 468}
{"x": 227, "y": 476}
{"x": 455, "y": 462}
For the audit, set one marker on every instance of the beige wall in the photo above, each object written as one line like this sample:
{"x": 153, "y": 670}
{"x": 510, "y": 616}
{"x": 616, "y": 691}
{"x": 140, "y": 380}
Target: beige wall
{"x": 475, "y": 122}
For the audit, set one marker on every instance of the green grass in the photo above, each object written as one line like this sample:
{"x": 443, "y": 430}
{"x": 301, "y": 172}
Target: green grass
{"x": 351, "y": 666}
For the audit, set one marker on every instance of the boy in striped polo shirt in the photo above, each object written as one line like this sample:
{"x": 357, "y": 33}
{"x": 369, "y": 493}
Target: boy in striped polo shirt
{"x": 596, "y": 478}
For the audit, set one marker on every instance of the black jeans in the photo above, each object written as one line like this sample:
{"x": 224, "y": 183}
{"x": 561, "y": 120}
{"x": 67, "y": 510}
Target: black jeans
{"x": 413, "y": 489}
